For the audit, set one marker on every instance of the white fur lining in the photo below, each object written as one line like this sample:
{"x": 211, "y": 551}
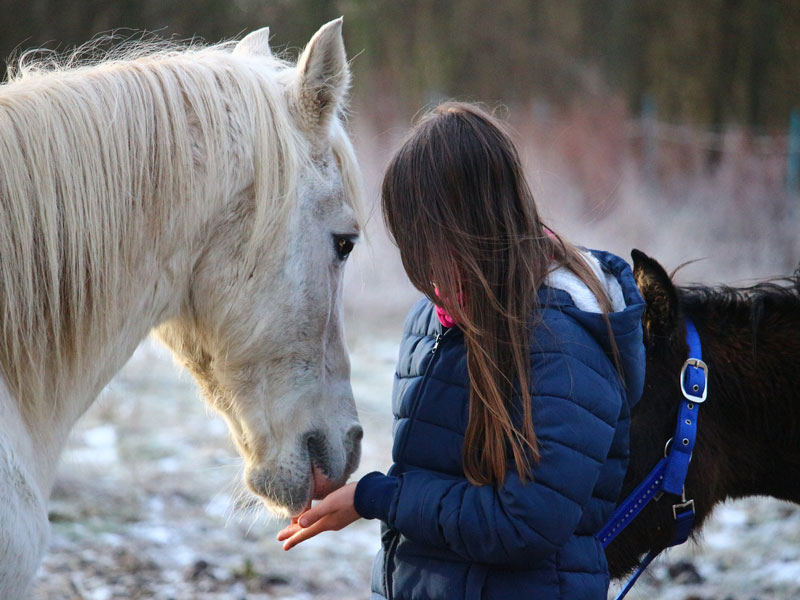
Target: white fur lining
{"x": 563, "y": 279}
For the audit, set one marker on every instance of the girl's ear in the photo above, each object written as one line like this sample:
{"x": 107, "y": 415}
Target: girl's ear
{"x": 660, "y": 317}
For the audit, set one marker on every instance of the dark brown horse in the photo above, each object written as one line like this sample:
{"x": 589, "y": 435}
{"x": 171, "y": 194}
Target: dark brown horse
{"x": 748, "y": 440}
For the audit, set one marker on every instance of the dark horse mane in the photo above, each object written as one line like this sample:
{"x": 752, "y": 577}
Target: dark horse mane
{"x": 749, "y": 303}
{"x": 783, "y": 292}
{"x": 779, "y": 293}
{"x": 748, "y": 440}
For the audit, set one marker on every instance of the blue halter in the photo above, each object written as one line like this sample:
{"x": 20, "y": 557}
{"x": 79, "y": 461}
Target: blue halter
{"x": 669, "y": 474}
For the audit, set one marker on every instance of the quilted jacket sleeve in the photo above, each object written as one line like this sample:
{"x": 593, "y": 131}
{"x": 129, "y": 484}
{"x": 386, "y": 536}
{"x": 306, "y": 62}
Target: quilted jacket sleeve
{"x": 575, "y": 410}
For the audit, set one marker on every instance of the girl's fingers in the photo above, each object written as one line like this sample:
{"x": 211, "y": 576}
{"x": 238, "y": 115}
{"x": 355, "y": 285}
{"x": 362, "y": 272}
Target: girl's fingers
{"x": 307, "y": 519}
{"x": 303, "y": 534}
{"x": 333, "y": 502}
{"x": 288, "y": 531}
{"x": 331, "y": 514}
{"x": 312, "y": 515}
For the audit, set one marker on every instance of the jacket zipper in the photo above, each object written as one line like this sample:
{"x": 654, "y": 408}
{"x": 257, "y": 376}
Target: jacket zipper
{"x": 438, "y": 339}
{"x": 415, "y": 405}
{"x": 387, "y": 577}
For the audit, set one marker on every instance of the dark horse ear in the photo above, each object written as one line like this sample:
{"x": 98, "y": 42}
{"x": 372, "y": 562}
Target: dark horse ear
{"x": 661, "y": 313}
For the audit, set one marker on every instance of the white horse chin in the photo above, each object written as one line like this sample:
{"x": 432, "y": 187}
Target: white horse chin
{"x": 288, "y": 490}
{"x": 315, "y": 487}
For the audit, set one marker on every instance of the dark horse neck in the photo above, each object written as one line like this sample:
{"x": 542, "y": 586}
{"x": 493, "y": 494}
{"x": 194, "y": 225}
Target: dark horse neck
{"x": 748, "y": 440}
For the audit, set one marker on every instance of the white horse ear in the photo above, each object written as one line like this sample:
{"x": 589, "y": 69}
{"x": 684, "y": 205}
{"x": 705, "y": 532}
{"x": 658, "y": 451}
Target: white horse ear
{"x": 255, "y": 43}
{"x": 323, "y": 77}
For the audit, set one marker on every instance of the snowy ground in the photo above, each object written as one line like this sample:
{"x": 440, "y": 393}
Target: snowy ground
{"x": 146, "y": 507}
{"x": 148, "y": 502}
{"x": 750, "y": 550}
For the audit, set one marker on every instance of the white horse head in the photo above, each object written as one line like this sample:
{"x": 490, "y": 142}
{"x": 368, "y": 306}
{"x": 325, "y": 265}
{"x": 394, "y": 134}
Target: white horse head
{"x": 209, "y": 193}
{"x": 262, "y": 333}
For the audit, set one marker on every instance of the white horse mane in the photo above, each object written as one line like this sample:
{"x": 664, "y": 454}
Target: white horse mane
{"x": 95, "y": 159}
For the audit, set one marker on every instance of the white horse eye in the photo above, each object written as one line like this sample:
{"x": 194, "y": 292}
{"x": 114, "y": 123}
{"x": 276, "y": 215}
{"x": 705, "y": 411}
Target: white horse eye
{"x": 343, "y": 244}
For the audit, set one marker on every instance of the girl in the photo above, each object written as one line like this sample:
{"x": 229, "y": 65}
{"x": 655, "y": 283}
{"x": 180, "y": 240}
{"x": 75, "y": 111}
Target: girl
{"x": 513, "y": 391}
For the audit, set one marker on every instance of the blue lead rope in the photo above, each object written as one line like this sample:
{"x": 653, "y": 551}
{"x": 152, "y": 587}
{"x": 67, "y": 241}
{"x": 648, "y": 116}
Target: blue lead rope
{"x": 669, "y": 474}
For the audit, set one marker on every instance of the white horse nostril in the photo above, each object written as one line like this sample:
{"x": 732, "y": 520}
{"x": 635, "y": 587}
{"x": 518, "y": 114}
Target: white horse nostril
{"x": 318, "y": 451}
{"x": 353, "y": 448}
{"x": 355, "y": 434}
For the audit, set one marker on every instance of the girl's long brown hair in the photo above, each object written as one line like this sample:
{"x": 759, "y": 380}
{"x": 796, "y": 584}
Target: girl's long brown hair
{"x": 457, "y": 204}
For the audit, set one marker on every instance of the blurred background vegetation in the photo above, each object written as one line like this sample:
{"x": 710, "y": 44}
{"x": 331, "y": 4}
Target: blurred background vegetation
{"x": 706, "y": 62}
{"x": 630, "y": 114}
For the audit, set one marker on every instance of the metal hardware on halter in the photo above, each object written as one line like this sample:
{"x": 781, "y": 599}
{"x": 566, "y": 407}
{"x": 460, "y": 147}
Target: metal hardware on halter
{"x": 683, "y": 504}
{"x": 697, "y": 364}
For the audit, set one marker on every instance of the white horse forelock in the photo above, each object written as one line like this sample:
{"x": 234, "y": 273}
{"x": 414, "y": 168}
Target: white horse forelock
{"x": 96, "y": 159}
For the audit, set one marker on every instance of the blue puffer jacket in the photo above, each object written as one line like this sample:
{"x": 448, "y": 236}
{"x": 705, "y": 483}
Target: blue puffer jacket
{"x": 444, "y": 538}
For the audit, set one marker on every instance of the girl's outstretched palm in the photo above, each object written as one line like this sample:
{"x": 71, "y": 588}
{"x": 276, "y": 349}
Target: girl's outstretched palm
{"x": 334, "y": 512}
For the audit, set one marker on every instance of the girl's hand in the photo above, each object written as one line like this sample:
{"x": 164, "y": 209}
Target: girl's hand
{"x": 334, "y": 512}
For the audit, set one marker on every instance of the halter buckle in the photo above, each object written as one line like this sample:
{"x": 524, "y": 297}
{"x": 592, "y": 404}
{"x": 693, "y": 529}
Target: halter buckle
{"x": 680, "y": 506}
{"x": 697, "y": 364}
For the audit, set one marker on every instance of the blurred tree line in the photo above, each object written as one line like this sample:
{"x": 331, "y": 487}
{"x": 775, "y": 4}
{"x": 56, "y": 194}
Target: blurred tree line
{"x": 709, "y": 62}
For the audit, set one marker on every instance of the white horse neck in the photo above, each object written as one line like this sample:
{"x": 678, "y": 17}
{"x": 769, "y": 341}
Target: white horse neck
{"x": 150, "y": 297}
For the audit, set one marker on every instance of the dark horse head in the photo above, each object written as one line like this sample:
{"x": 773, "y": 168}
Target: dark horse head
{"x": 748, "y": 440}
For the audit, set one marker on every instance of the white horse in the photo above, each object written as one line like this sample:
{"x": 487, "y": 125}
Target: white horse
{"x": 209, "y": 193}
